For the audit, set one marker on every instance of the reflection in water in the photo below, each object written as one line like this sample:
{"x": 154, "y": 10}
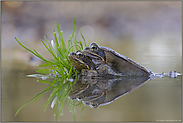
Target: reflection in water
{"x": 159, "y": 97}
{"x": 102, "y": 91}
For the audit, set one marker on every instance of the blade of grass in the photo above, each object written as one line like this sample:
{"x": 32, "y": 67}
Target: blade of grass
{"x": 97, "y": 40}
{"x": 44, "y": 65}
{"x": 60, "y": 34}
{"x": 71, "y": 44}
{"x": 88, "y": 41}
{"x": 56, "y": 40}
{"x": 60, "y": 92}
{"x": 53, "y": 102}
{"x": 60, "y": 112}
{"x": 82, "y": 109}
{"x": 76, "y": 45}
{"x": 81, "y": 45}
{"x": 53, "y": 93}
{"x": 38, "y": 55}
{"x": 44, "y": 70}
{"x": 33, "y": 99}
{"x": 50, "y": 50}
{"x": 61, "y": 59}
{"x": 74, "y": 112}
{"x": 61, "y": 97}
{"x": 83, "y": 38}
{"x": 35, "y": 52}
{"x": 47, "y": 43}
{"x": 62, "y": 41}
{"x": 26, "y": 47}
{"x": 70, "y": 72}
{"x": 74, "y": 27}
{"x": 44, "y": 81}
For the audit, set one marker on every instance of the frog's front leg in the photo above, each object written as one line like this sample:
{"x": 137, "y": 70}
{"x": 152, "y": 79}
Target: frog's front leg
{"x": 105, "y": 69}
{"x": 89, "y": 73}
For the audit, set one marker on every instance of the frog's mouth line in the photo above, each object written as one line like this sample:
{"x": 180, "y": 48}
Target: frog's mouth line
{"x": 76, "y": 61}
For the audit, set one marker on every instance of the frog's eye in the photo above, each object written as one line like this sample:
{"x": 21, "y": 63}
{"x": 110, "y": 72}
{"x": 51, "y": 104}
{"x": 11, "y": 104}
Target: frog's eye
{"x": 79, "y": 55}
{"x": 94, "y": 47}
{"x": 80, "y": 97}
{"x": 93, "y": 104}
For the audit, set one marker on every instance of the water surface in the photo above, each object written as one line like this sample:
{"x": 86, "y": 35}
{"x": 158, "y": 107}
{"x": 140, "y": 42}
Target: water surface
{"x": 158, "y": 99}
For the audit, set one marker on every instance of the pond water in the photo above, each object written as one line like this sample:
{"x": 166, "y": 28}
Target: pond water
{"x": 158, "y": 99}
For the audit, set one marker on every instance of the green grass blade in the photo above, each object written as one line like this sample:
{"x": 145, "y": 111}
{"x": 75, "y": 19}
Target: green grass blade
{"x": 76, "y": 45}
{"x": 44, "y": 65}
{"x": 62, "y": 40}
{"x": 35, "y": 52}
{"x": 97, "y": 40}
{"x": 71, "y": 44}
{"x": 50, "y": 50}
{"x": 32, "y": 99}
{"x": 81, "y": 45}
{"x": 70, "y": 72}
{"x": 56, "y": 40}
{"x": 83, "y": 38}
{"x": 44, "y": 81}
{"x": 82, "y": 109}
{"x": 53, "y": 93}
{"x": 60, "y": 34}
{"x": 74, "y": 27}
{"x": 88, "y": 41}
{"x": 26, "y": 47}
{"x": 44, "y": 70}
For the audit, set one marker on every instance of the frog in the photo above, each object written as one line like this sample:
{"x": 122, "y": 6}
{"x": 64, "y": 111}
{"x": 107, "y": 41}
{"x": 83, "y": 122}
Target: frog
{"x": 109, "y": 62}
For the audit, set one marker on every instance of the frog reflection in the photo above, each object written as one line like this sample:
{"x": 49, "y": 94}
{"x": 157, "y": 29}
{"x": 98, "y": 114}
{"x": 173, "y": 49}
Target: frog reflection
{"x": 80, "y": 90}
{"x": 104, "y": 90}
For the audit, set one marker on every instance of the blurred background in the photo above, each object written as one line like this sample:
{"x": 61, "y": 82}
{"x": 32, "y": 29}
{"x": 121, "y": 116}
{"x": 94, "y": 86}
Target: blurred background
{"x": 147, "y": 32}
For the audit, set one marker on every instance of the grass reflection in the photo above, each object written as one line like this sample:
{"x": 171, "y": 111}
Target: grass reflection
{"x": 60, "y": 89}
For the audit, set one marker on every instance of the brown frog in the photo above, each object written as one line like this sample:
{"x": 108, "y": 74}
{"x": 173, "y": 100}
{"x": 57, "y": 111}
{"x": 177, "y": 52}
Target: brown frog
{"x": 108, "y": 61}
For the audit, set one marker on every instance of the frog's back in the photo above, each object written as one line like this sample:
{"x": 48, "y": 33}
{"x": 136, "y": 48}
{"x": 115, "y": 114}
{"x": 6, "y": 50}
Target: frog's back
{"x": 124, "y": 65}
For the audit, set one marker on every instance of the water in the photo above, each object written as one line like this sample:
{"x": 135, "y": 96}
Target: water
{"x": 157, "y": 100}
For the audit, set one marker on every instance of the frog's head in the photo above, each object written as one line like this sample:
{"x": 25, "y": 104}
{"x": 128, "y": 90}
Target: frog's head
{"x": 97, "y": 55}
{"x": 80, "y": 61}
{"x": 105, "y": 53}
{"x": 95, "y": 48}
